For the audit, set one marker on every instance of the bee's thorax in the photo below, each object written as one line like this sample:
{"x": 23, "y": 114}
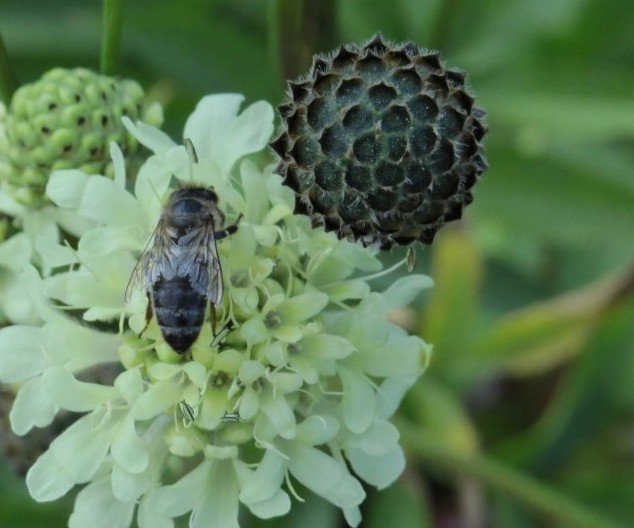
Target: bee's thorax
{"x": 188, "y": 213}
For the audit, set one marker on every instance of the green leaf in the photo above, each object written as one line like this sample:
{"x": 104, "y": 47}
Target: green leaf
{"x": 553, "y": 115}
{"x": 605, "y": 482}
{"x": 441, "y": 414}
{"x": 495, "y": 33}
{"x": 449, "y": 318}
{"x": 505, "y": 512}
{"x": 536, "y": 495}
{"x": 540, "y": 337}
{"x": 554, "y": 202}
{"x": 586, "y": 398}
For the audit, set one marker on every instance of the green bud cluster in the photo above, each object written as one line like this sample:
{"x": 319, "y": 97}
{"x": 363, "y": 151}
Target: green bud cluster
{"x": 66, "y": 120}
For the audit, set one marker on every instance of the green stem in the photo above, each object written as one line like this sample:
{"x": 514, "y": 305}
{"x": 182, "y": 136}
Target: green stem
{"x": 8, "y": 83}
{"x": 111, "y": 38}
{"x": 440, "y": 30}
{"x": 320, "y": 26}
{"x": 523, "y": 488}
{"x": 296, "y": 30}
{"x": 286, "y": 45}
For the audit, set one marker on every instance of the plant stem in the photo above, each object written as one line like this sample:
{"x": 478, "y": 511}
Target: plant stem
{"x": 320, "y": 26}
{"x": 535, "y": 495}
{"x": 111, "y": 38}
{"x": 296, "y": 30}
{"x": 286, "y": 45}
{"x": 440, "y": 29}
{"x": 8, "y": 83}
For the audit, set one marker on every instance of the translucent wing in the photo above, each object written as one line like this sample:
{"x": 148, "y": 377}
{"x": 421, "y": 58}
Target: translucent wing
{"x": 216, "y": 286}
{"x": 203, "y": 265}
{"x": 149, "y": 262}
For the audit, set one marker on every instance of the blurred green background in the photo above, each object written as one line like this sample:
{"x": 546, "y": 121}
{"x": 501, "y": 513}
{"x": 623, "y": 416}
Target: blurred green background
{"x": 532, "y": 316}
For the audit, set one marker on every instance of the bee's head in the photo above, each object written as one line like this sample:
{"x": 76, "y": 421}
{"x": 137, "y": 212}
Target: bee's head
{"x": 191, "y": 206}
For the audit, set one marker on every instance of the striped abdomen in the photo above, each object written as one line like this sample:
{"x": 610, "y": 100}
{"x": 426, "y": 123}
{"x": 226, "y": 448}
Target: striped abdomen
{"x": 179, "y": 310}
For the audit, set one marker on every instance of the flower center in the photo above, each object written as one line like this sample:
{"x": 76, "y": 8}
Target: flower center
{"x": 272, "y": 320}
{"x": 219, "y": 380}
{"x": 240, "y": 279}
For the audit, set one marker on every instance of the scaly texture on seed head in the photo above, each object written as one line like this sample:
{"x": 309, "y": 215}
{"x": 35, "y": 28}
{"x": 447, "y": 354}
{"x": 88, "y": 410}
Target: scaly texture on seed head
{"x": 381, "y": 143}
{"x": 66, "y": 120}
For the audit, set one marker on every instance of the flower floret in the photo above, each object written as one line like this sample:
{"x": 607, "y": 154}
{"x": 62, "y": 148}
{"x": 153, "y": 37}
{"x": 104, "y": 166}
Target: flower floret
{"x": 297, "y": 383}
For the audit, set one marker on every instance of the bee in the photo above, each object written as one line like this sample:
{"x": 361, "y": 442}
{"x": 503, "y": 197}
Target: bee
{"x": 180, "y": 267}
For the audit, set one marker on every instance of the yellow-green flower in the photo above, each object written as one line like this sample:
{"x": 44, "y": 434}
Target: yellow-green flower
{"x": 301, "y": 388}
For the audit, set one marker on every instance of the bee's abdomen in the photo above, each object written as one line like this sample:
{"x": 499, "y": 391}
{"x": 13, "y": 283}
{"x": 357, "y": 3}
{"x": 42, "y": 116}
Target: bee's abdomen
{"x": 179, "y": 310}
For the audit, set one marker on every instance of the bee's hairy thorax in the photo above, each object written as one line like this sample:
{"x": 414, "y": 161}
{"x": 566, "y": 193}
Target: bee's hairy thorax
{"x": 180, "y": 268}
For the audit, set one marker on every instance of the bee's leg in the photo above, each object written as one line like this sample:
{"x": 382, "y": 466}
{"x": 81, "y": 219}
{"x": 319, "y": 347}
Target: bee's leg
{"x": 217, "y": 341}
{"x": 229, "y": 230}
{"x": 148, "y": 315}
{"x": 213, "y": 318}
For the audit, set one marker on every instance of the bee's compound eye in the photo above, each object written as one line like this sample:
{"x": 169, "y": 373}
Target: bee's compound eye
{"x": 186, "y": 206}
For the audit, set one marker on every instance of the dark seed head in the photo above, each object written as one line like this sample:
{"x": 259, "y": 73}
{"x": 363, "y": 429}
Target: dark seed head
{"x": 381, "y": 143}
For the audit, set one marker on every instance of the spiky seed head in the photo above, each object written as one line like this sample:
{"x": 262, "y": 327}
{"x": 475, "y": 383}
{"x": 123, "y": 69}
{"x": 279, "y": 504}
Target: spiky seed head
{"x": 381, "y": 142}
{"x": 66, "y": 120}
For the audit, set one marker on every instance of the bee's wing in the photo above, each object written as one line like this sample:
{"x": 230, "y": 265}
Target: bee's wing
{"x": 216, "y": 286}
{"x": 149, "y": 262}
{"x": 203, "y": 267}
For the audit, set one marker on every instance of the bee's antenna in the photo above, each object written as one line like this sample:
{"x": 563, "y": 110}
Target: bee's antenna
{"x": 193, "y": 157}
